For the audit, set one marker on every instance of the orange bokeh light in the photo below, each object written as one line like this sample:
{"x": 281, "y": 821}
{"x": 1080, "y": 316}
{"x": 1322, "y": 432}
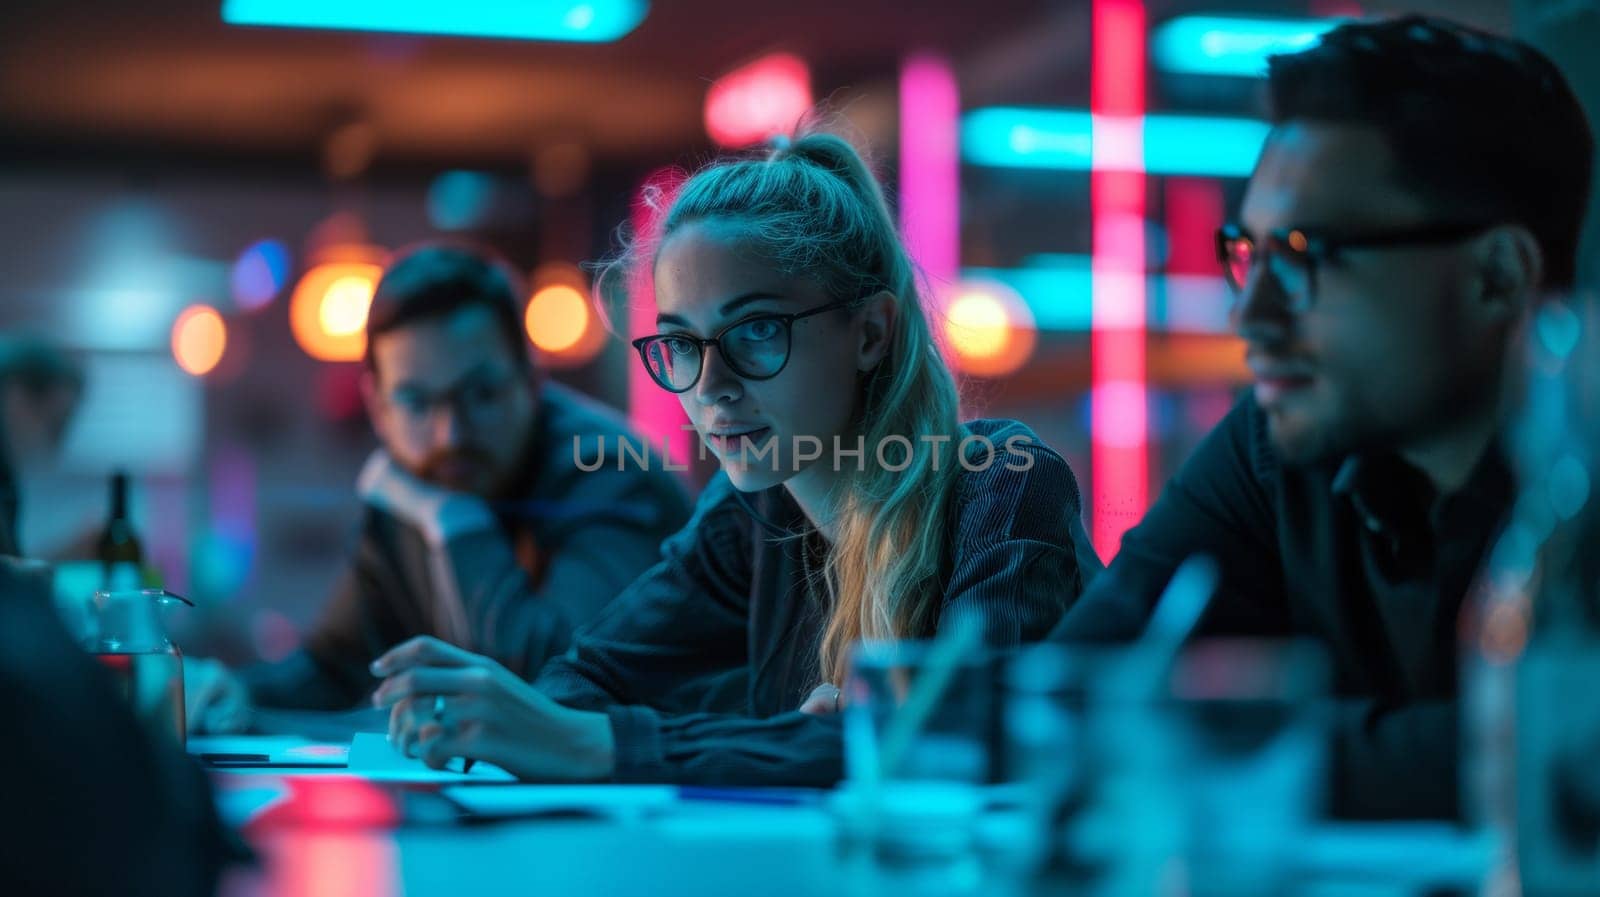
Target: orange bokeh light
{"x": 199, "y": 337}
{"x": 328, "y": 312}
{"x": 557, "y": 318}
{"x": 560, "y": 320}
{"x": 989, "y": 330}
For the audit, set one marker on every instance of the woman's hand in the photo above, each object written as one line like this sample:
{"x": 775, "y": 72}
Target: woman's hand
{"x": 825, "y": 698}
{"x": 446, "y": 702}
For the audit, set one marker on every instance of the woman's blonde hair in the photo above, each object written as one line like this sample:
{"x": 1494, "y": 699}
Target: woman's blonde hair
{"x": 813, "y": 208}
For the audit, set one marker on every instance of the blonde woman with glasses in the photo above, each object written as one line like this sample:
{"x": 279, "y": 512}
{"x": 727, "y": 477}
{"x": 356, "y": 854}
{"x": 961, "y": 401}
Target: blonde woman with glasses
{"x": 852, "y": 504}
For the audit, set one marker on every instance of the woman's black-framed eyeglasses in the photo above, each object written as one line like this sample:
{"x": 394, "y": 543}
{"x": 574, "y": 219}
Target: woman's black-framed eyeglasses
{"x": 1292, "y": 256}
{"x": 754, "y": 348}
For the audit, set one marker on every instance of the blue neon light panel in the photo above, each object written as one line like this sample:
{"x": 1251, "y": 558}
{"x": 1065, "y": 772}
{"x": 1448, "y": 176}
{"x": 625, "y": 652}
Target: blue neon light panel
{"x": 591, "y": 21}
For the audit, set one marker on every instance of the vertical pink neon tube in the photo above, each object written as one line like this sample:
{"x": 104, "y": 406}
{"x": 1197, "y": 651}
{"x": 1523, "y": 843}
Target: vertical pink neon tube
{"x": 1120, "y": 429}
{"x": 654, "y": 412}
{"x": 930, "y": 169}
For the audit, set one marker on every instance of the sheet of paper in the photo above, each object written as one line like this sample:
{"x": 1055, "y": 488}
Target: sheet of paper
{"x": 611, "y": 801}
{"x": 372, "y": 757}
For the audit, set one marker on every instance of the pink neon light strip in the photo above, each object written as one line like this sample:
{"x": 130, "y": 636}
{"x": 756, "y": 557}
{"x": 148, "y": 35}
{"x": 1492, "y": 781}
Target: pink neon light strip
{"x": 1120, "y": 429}
{"x": 930, "y": 168}
{"x": 654, "y": 412}
{"x": 1195, "y": 208}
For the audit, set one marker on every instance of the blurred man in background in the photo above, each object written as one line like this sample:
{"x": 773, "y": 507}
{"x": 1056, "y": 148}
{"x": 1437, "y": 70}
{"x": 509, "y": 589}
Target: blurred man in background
{"x": 481, "y": 528}
{"x": 40, "y": 385}
{"x": 1423, "y": 186}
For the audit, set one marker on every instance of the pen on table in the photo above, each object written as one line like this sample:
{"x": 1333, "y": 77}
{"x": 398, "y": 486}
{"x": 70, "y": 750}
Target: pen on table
{"x": 221, "y": 757}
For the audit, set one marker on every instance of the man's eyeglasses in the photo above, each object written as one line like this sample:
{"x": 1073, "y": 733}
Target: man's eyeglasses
{"x": 1292, "y": 256}
{"x": 754, "y": 348}
{"x": 479, "y": 401}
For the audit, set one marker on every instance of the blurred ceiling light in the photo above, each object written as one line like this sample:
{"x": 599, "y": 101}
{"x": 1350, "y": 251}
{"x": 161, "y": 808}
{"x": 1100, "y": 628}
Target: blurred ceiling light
{"x": 328, "y": 311}
{"x": 559, "y": 319}
{"x": 989, "y": 329}
{"x": 259, "y": 274}
{"x": 198, "y": 340}
{"x": 589, "y": 21}
{"x": 460, "y": 200}
{"x": 1232, "y": 46}
{"x": 752, "y": 103}
{"x": 579, "y": 17}
{"x": 1016, "y": 137}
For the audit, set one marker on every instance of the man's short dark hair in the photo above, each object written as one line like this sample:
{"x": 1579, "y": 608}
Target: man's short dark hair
{"x": 1485, "y": 126}
{"x": 435, "y": 280}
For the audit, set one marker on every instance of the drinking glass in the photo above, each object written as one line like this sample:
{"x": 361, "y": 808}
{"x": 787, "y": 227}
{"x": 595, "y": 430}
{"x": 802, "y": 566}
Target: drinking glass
{"x": 124, "y": 632}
